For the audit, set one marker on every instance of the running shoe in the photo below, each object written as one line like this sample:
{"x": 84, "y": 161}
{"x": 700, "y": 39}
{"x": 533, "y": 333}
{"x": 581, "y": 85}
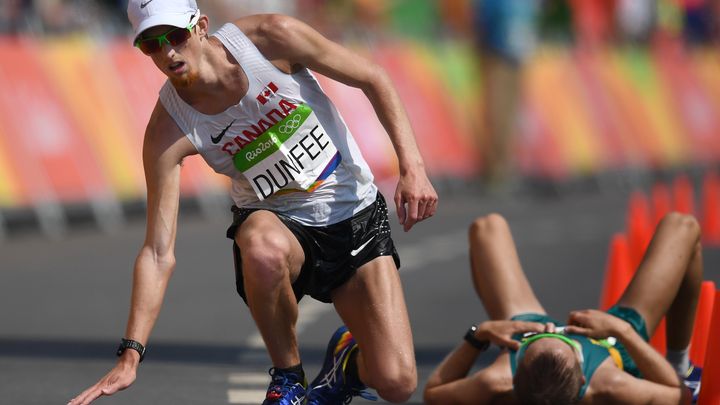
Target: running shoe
{"x": 331, "y": 387}
{"x": 285, "y": 389}
{"x": 692, "y": 381}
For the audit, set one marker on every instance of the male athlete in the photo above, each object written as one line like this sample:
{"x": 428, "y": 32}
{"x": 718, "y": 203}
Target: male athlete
{"x": 599, "y": 357}
{"x": 307, "y": 217}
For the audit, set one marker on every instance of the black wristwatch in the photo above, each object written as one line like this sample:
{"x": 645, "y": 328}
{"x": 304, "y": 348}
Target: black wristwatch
{"x": 481, "y": 345}
{"x": 131, "y": 344}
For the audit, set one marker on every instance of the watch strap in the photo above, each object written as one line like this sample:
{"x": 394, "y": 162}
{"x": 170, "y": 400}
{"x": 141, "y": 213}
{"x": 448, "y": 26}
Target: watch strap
{"x": 480, "y": 345}
{"x": 131, "y": 344}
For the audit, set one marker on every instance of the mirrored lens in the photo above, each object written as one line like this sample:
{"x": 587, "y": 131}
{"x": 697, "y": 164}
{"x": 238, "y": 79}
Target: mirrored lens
{"x": 175, "y": 37}
{"x": 148, "y": 46}
{"x": 178, "y": 36}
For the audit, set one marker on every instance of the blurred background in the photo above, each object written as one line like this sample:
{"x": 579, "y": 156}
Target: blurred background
{"x": 503, "y": 94}
{"x": 576, "y": 119}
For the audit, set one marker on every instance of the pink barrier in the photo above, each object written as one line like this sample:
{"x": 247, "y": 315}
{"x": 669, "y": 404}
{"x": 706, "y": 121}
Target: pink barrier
{"x": 50, "y": 159}
{"x": 83, "y": 76}
{"x": 696, "y": 113}
{"x": 582, "y": 113}
{"x": 429, "y": 109}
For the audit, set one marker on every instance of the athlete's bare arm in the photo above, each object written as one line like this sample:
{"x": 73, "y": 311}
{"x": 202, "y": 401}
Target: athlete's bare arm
{"x": 659, "y": 385}
{"x": 610, "y": 385}
{"x": 450, "y": 384}
{"x": 600, "y": 325}
{"x": 163, "y": 150}
{"x": 293, "y": 44}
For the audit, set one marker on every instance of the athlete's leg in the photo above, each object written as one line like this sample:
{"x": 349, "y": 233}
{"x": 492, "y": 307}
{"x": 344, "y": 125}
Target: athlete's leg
{"x": 372, "y": 306}
{"x": 498, "y": 277}
{"x": 271, "y": 261}
{"x": 668, "y": 279}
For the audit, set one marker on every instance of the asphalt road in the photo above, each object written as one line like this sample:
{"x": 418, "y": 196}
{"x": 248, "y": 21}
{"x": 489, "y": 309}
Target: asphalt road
{"x": 64, "y": 303}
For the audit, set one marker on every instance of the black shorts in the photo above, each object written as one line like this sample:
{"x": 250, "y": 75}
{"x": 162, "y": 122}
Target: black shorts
{"x": 333, "y": 253}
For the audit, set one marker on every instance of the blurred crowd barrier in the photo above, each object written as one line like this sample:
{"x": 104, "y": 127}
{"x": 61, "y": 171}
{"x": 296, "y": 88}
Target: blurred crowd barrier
{"x": 73, "y": 113}
{"x": 584, "y": 87}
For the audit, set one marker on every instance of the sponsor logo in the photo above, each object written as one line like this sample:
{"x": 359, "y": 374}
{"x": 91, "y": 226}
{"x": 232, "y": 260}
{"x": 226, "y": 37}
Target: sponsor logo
{"x": 267, "y": 93}
{"x": 145, "y": 3}
{"x": 358, "y": 250}
{"x": 216, "y": 139}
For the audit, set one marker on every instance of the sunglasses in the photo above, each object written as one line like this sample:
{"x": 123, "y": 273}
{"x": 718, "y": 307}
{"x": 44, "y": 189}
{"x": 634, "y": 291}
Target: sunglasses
{"x": 174, "y": 37}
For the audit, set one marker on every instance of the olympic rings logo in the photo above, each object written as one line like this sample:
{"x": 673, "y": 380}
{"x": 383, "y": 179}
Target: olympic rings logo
{"x": 251, "y": 155}
{"x": 290, "y": 126}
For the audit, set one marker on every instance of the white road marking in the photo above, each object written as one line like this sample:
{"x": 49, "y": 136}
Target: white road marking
{"x": 250, "y": 388}
{"x": 249, "y": 379}
{"x": 246, "y": 396}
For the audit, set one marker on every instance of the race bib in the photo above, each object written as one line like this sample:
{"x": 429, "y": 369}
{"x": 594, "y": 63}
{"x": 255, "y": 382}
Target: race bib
{"x": 294, "y": 154}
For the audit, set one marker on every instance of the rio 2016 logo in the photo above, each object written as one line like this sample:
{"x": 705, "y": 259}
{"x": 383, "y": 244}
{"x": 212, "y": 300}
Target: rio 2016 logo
{"x": 251, "y": 155}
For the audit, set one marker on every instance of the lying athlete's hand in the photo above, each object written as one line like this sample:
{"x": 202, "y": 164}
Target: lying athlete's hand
{"x": 415, "y": 198}
{"x": 500, "y": 332}
{"x": 116, "y": 380}
{"x": 593, "y": 323}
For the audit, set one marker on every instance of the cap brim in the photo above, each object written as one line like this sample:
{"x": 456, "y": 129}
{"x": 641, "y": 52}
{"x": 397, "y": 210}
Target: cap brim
{"x": 175, "y": 20}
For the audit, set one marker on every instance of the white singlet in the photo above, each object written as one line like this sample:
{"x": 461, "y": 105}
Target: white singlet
{"x": 284, "y": 145}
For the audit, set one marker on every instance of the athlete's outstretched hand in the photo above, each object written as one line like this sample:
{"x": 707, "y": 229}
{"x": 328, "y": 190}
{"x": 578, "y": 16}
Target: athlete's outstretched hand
{"x": 595, "y": 324}
{"x": 415, "y": 198}
{"x": 500, "y": 332}
{"x": 116, "y": 380}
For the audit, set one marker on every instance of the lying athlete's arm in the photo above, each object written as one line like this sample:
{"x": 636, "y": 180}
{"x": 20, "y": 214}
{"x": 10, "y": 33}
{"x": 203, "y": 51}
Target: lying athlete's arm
{"x": 450, "y": 384}
{"x": 622, "y": 388}
{"x": 652, "y": 365}
{"x": 600, "y": 325}
{"x": 287, "y": 39}
{"x": 163, "y": 151}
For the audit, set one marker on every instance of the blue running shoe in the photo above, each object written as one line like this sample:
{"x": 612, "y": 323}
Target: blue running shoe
{"x": 692, "y": 381}
{"x": 331, "y": 387}
{"x": 285, "y": 389}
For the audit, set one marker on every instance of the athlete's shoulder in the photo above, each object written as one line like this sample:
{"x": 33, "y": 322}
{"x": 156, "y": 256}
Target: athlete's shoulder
{"x": 608, "y": 382}
{"x": 163, "y": 134}
{"x": 268, "y": 29}
{"x": 160, "y": 122}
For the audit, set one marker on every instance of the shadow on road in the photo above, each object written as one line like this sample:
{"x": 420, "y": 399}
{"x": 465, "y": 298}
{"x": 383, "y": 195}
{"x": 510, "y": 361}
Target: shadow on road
{"x": 172, "y": 352}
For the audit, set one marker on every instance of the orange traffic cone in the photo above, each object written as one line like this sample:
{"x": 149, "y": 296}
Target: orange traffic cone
{"x": 709, "y": 387}
{"x": 701, "y": 330}
{"x": 711, "y": 209}
{"x": 683, "y": 195}
{"x": 618, "y": 272}
{"x": 661, "y": 202}
{"x": 639, "y": 228}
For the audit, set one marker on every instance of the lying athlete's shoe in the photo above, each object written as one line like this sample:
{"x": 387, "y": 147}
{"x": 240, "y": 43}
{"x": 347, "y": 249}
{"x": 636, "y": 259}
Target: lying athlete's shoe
{"x": 692, "y": 381}
{"x": 285, "y": 389}
{"x": 331, "y": 387}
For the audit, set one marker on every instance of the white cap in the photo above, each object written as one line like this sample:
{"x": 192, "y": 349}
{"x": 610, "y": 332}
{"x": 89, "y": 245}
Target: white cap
{"x": 144, "y": 14}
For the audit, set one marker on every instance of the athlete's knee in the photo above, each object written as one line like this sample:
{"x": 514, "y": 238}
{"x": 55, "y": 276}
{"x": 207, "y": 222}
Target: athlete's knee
{"x": 395, "y": 385}
{"x": 487, "y": 225}
{"x": 395, "y": 380}
{"x": 265, "y": 257}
